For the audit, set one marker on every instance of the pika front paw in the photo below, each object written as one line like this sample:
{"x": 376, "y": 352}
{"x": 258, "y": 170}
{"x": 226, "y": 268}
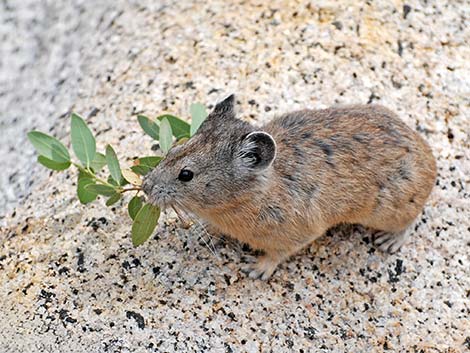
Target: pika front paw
{"x": 263, "y": 268}
{"x": 390, "y": 242}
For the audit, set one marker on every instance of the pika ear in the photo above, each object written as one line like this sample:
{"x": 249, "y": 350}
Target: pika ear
{"x": 222, "y": 115}
{"x": 226, "y": 107}
{"x": 257, "y": 151}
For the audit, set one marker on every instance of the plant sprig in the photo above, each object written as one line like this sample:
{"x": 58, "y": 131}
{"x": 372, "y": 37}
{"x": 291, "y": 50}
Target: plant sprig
{"x": 90, "y": 182}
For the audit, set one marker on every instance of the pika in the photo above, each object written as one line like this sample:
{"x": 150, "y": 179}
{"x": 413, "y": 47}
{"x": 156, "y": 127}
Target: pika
{"x": 281, "y": 186}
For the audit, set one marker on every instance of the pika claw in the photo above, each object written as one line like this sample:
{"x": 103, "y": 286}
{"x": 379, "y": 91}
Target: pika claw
{"x": 262, "y": 269}
{"x": 249, "y": 259}
{"x": 390, "y": 242}
{"x": 246, "y": 269}
{"x": 255, "y": 274}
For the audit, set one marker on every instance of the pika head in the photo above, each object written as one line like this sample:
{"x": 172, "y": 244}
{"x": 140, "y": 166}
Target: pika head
{"x": 221, "y": 162}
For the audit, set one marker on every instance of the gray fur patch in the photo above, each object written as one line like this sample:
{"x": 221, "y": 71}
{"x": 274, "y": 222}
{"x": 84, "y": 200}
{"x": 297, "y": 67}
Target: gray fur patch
{"x": 361, "y": 138}
{"x": 393, "y": 134}
{"x": 270, "y": 213}
{"x": 298, "y": 152}
{"x": 341, "y": 143}
{"x": 310, "y": 190}
{"x": 291, "y": 178}
{"x": 294, "y": 121}
{"x": 327, "y": 149}
{"x": 403, "y": 171}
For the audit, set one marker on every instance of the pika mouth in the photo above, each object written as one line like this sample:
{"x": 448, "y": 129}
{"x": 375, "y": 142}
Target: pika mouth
{"x": 162, "y": 201}
{"x": 158, "y": 201}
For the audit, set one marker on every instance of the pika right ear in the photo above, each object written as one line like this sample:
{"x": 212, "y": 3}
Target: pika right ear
{"x": 257, "y": 151}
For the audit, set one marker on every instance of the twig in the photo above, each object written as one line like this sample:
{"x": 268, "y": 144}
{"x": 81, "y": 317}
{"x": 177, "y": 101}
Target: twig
{"x": 131, "y": 189}
{"x": 186, "y": 224}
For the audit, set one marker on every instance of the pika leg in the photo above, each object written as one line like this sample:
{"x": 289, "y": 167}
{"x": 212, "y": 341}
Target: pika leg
{"x": 265, "y": 265}
{"x": 391, "y": 241}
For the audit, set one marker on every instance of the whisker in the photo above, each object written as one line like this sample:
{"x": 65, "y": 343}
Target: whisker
{"x": 201, "y": 236}
{"x": 183, "y": 216}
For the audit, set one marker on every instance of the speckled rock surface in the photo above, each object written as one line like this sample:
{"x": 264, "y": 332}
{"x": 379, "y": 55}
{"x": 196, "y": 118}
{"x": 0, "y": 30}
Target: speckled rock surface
{"x": 70, "y": 280}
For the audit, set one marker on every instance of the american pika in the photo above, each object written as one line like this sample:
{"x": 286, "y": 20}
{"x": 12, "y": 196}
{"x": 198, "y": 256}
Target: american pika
{"x": 281, "y": 186}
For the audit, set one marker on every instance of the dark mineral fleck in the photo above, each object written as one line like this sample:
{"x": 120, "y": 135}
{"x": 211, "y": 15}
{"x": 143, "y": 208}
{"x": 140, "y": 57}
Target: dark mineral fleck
{"x": 406, "y": 10}
{"x": 139, "y": 319}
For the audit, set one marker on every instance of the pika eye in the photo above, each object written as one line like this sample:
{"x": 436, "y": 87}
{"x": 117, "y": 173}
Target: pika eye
{"x": 185, "y": 175}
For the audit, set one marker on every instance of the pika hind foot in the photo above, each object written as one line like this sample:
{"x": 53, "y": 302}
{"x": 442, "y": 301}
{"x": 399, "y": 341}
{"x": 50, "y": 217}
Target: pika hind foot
{"x": 390, "y": 242}
{"x": 263, "y": 268}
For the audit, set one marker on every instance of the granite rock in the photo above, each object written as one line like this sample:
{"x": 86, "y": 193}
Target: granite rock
{"x": 70, "y": 280}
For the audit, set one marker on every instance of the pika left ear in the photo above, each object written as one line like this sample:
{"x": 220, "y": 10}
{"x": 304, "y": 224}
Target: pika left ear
{"x": 257, "y": 151}
{"x": 226, "y": 106}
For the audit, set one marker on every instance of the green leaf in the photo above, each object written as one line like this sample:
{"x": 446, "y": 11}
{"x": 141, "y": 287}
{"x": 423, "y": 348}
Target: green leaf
{"x": 111, "y": 181}
{"x": 49, "y": 163}
{"x": 134, "y": 206}
{"x": 49, "y": 147}
{"x": 144, "y": 223}
{"x": 98, "y": 162}
{"x": 140, "y": 169}
{"x": 198, "y": 115}
{"x": 144, "y": 165}
{"x": 85, "y": 196}
{"x": 151, "y": 161}
{"x": 150, "y": 127}
{"x": 101, "y": 189}
{"x": 166, "y": 136}
{"x": 113, "y": 164}
{"x": 180, "y": 128}
{"x": 113, "y": 199}
{"x": 83, "y": 142}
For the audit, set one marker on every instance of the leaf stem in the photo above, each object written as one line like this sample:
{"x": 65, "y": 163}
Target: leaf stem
{"x": 130, "y": 189}
{"x": 93, "y": 175}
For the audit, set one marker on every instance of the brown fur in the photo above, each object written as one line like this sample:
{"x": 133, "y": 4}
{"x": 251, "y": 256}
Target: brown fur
{"x": 354, "y": 164}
